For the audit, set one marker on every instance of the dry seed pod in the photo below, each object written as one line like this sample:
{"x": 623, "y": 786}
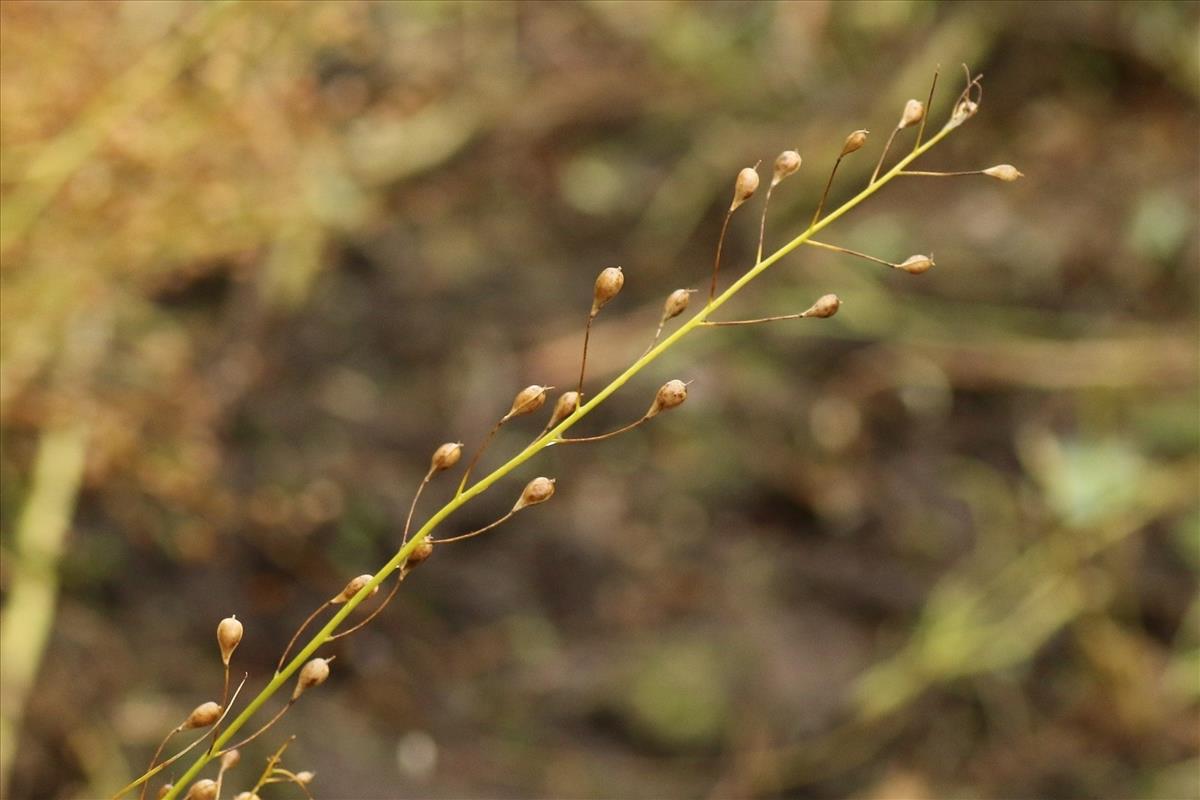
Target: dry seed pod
{"x": 528, "y": 400}
{"x": 446, "y": 456}
{"x": 538, "y": 490}
{"x": 915, "y": 265}
{"x": 786, "y": 163}
{"x": 608, "y": 285}
{"x": 305, "y": 777}
{"x": 914, "y": 111}
{"x": 205, "y": 789}
{"x": 1004, "y": 172}
{"x": 247, "y": 796}
{"x": 229, "y": 635}
{"x": 564, "y": 407}
{"x": 826, "y": 306}
{"x": 352, "y": 588}
{"x": 164, "y": 790}
{"x": 230, "y": 759}
{"x": 744, "y": 187}
{"x": 854, "y": 141}
{"x": 677, "y": 303}
{"x": 670, "y": 394}
{"x": 421, "y": 552}
{"x": 202, "y": 716}
{"x": 312, "y": 674}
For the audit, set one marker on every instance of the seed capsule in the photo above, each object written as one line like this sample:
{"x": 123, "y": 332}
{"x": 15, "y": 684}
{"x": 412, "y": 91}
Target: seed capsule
{"x": 786, "y": 163}
{"x": 914, "y": 111}
{"x": 538, "y": 490}
{"x": 677, "y": 303}
{"x": 826, "y": 306}
{"x": 564, "y": 407}
{"x": 230, "y": 759}
{"x": 1004, "y": 172}
{"x": 304, "y": 778}
{"x": 421, "y": 552}
{"x": 352, "y": 588}
{"x": 744, "y": 187}
{"x": 312, "y": 674}
{"x": 229, "y": 635}
{"x": 205, "y": 789}
{"x": 915, "y": 265}
{"x": 202, "y": 716}
{"x": 608, "y": 285}
{"x": 854, "y": 141}
{"x": 247, "y": 796}
{"x": 164, "y": 790}
{"x": 671, "y": 394}
{"x": 528, "y": 400}
{"x": 446, "y": 456}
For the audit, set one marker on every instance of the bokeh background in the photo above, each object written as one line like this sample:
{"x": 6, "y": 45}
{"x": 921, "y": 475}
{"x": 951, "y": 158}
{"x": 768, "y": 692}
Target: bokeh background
{"x": 259, "y": 259}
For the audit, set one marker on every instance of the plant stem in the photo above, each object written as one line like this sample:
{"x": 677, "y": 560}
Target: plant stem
{"x": 481, "y": 486}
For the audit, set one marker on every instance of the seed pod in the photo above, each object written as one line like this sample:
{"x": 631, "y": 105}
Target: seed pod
{"x": 914, "y": 111}
{"x": 205, "y": 789}
{"x": 786, "y": 163}
{"x": 202, "y": 716}
{"x": 528, "y": 400}
{"x": 826, "y": 306}
{"x": 247, "y": 796}
{"x": 671, "y": 394}
{"x": 608, "y": 285}
{"x": 446, "y": 456}
{"x": 915, "y": 265}
{"x": 421, "y": 552}
{"x": 352, "y": 588}
{"x": 677, "y": 303}
{"x": 304, "y": 778}
{"x": 538, "y": 490}
{"x": 564, "y": 407}
{"x": 230, "y": 759}
{"x": 164, "y": 790}
{"x": 744, "y": 187}
{"x": 854, "y": 141}
{"x": 229, "y": 635}
{"x": 1004, "y": 172}
{"x": 312, "y": 674}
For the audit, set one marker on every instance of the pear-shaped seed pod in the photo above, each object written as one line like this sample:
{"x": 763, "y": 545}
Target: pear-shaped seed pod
{"x": 421, "y": 552}
{"x": 1004, "y": 172}
{"x": 230, "y": 759}
{"x": 786, "y": 163}
{"x": 915, "y": 265}
{"x": 528, "y": 400}
{"x": 608, "y": 285}
{"x": 826, "y": 306}
{"x": 671, "y": 394}
{"x": 564, "y": 407}
{"x": 229, "y": 635}
{"x": 854, "y": 141}
{"x": 164, "y": 790}
{"x": 352, "y": 588}
{"x": 677, "y": 303}
{"x": 446, "y": 456}
{"x": 914, "y": 111}
{"x": 312, "y": 674}
{"x": 205, "y": 789}
{"x": 538, "y": 490}
{"x": 202, "y": 716}
{"x": 744, "y": 187}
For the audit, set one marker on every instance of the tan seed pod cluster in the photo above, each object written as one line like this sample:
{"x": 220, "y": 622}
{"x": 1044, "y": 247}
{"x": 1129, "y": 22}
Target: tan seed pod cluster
{"x": 914, "y": 112}
{"x": 421, "y": 552}
{"x": 1004, "y": 172}
{"x": 538, "y": 490}
{"x": 826, "y": 306}
{"x": 854, "y": 141}
{"x": 229, "y": 636}
{"x": 564, "y": 407}
{"x": 204, "y": 789}
{"x": 786, "y": 163}
{"x": 202, "y": 716}
{"x": 312, "y": 674}
{"x": 446, "y": 456}
{"x": 528, "y": 400}
{"x": 915, "y": 265}
{"x": 670, "y": 394}
{"x": 744, "y": 187}
{"x": 608, "y": 285}
{"x": 230, "y": 759}
{"x": 352, "y": 588}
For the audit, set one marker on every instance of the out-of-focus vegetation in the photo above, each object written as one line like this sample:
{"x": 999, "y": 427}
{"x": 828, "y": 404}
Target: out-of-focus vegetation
{"x": 260, "y": 258}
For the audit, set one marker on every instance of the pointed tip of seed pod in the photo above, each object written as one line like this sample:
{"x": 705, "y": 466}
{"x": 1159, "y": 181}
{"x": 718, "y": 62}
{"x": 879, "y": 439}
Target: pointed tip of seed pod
{"x": 854, "y": 141}
{"x": 528, "y": 400}
{"x": 446, "y": 456}
{"x": 670, "y": 394}
{"x": 313, "y": 673}
{"x": 744, "y": 187}
{"x": 229, "y": 635}
{"x": 786, "y": 163}
{"x": 203, "y": 715}
{"x": 538, "y": 490}
{"x": 608, "y": 285}
{"x": 914, "y": 112}
{"x": 1004, "y": 172}
{"x": 915, "y": 265}
{"x": 203, "y": 789}
{"x": 564, "y": 407}
{"x": 826, "y": 306}
{"x": 352, "y": 588}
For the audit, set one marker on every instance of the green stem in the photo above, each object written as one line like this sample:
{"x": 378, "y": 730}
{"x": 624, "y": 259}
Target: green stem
{"x": 481, "y": 486}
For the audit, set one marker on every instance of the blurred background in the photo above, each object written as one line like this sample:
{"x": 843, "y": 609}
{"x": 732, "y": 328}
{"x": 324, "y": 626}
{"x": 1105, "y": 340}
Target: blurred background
{"x": 260, "y": 259}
